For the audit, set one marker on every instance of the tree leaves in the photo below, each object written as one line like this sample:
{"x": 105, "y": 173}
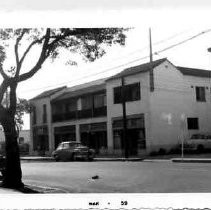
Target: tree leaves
{"x": 22, "y": 107}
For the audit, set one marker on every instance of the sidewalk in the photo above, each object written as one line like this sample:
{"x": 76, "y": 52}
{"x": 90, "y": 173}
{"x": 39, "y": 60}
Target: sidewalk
{"x": 37, "y": 158}
{"x": 40, "y": 158}
{"x": 194, "y": 159}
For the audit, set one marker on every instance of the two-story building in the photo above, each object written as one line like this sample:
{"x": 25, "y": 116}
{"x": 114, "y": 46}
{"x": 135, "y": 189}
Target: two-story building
{"x": 179, "y": 105}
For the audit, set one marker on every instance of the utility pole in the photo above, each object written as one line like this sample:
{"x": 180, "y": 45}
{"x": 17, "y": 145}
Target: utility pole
{"x": 151, "y": 74}
{"x": 124, "y": 136}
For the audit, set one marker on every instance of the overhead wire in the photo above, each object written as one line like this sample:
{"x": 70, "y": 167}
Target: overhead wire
{"x": 125, "y": 64}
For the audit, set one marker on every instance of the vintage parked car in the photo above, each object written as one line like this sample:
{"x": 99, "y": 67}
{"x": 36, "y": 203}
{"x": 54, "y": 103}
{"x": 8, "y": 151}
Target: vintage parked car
{"x": 198, "y": 142}
{"x": 71, "y": 150}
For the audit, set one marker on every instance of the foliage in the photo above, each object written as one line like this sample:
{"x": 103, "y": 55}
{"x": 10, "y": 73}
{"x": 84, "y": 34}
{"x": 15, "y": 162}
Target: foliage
{"x": 21, "y": 108}
{"x": 88, "y": 42}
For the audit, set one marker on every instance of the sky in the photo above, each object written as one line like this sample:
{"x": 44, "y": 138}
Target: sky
{"x": 171, "y": 24}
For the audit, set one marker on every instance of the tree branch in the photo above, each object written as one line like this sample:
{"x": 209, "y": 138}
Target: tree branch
{"x": 16, "y": 45}
{"x": 25, "y": 54}
{"x": 3, "y": 74}
{"x": 41, "y": 59}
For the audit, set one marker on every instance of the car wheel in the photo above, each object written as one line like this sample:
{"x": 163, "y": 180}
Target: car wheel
{"x": 73, "y": 157}
{"x": 91, "y": 157}
{"x": 56, "y": 157}
{"x": 200, "y": 148}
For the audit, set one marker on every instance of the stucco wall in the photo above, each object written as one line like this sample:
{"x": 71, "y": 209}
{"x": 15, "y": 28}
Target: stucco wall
{"x": 202, "y": 110}
{"x": 173, "y": 97}
{"x": 39, "y": 121}
{"x": 167, "y": 105}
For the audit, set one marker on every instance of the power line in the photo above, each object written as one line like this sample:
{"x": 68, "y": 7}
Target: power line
{"x": 159, "y": 42}
{"x": 184, "y": 41}
{"x": 128, "y": 63}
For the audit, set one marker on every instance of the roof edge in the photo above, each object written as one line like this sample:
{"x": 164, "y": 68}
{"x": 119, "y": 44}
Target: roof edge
{"x": 117, "y": 76}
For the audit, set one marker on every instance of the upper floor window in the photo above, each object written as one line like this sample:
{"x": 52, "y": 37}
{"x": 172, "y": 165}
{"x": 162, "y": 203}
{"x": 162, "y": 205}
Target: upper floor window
{"x": 71, "y": 106}
{"x": 193, "y": 123}
{"x": 86, "y": 102}
{"x": 131, "y": 91}
{"x": 44, "y": 113}
{"x": 99, "y": 100}
{"x": 200, "y": 94}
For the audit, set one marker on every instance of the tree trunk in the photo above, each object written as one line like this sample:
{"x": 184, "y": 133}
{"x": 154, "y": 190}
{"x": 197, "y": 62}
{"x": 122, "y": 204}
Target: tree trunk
{"x": 13, "y": 173}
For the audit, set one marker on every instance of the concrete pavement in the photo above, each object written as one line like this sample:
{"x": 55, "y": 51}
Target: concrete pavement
{"x": 43, "y": 189}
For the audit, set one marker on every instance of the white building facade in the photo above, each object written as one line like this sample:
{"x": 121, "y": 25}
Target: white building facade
{"x": 179, "y": 106}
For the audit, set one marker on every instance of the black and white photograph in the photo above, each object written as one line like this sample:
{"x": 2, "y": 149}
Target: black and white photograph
{"x": 106, "y": 103}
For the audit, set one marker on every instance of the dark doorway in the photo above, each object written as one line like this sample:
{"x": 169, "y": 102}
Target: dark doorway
{"x": 96, "y": 140}
{"x": 43, "y": 144}
{"x": 135, "y": 140}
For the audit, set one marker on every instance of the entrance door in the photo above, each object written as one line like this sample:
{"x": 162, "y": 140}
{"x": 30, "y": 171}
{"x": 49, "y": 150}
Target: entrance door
{"x": 132, "y": 137}
{"x": 43, "y": 144}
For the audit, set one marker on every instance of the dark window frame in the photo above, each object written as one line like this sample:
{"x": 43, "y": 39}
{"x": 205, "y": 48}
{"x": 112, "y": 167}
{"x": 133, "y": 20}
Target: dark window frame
{"x": 132, "y": 93}
{"x": 193, "y": 123}
{"x": 44, "y": 113}
{"x": 200, "y": 93}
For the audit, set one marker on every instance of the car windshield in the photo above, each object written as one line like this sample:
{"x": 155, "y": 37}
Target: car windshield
{"x": 67, "y": 145}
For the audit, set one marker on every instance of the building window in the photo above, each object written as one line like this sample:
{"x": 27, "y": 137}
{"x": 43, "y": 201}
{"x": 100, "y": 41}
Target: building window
{"x": 44, "y": 113}
{"x": 200, "y": 94}
{"x": 86, "y": 102}
{"x": 99, "y": 100}
{"x": 132, "y": 93}
{"x": 21, "y": 140}
{"x": 193, "y": 123}
{"x": 71, "y": 106}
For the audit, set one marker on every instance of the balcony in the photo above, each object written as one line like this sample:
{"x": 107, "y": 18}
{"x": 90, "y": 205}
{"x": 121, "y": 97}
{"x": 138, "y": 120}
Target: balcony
{"x": 100, "y": 112}
{"x": 82, "y": 114}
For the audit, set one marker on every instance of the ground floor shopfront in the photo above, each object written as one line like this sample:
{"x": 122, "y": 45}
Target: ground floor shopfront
{"x": 94, "y": 135}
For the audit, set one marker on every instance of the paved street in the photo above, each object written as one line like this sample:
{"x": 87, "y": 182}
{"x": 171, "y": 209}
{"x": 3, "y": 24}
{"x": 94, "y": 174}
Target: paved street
{"x": 120, "y": 177}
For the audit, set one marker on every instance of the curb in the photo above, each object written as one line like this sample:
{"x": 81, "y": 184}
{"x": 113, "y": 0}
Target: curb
{"x": 45, "y": 189}
{"x": 179, "y": 160}
{"x": 157, "y": 160}
{"x": 118, "y": 159}
{"x": 37, "y": 158}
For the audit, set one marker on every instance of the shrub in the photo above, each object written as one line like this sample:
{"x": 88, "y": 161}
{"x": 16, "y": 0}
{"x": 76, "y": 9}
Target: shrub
{"x": 153, "y": 153}
{"x": 24, "y": 148}
{"x": 161, "y": 151}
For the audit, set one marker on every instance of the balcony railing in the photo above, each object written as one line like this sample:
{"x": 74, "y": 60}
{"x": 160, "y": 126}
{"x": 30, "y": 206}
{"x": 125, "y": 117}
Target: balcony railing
{"x": 101, "y": 111}
{"x": 81, "y": 114}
